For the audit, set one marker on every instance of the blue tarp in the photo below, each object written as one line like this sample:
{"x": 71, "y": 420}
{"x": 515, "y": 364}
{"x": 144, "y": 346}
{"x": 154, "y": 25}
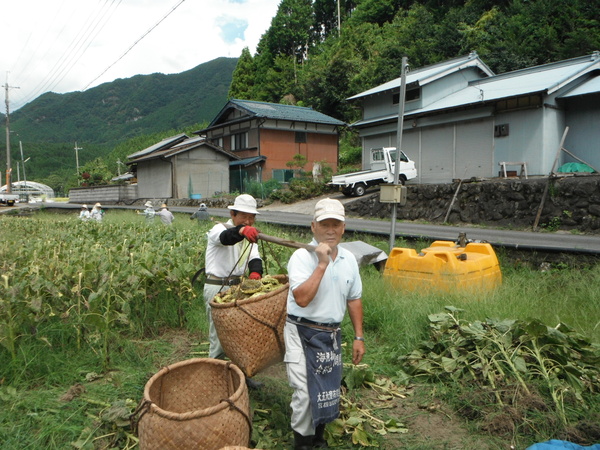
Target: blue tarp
{"x": 555, "y": 444}
{"x": 574, "y": 167}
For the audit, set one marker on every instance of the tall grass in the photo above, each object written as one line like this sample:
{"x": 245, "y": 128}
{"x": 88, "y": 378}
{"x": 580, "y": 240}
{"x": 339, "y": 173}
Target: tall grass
{"x": 146, "y": 271}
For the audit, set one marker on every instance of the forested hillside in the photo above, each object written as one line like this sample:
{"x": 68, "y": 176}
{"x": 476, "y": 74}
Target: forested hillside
{"x": 307, "y": 57}
{"x": 105, "y": 116}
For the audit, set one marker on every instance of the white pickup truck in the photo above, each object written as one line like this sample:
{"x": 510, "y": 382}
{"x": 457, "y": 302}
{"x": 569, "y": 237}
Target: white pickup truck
{"x": 383, "y": 163}
{"x": 8, "y": 199}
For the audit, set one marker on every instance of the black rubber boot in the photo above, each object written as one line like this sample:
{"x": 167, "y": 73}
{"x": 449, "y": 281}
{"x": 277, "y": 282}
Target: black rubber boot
{"x": 319, "y": 440}
{"x": 302, "y": 442}
{"x": 253, "y": 384}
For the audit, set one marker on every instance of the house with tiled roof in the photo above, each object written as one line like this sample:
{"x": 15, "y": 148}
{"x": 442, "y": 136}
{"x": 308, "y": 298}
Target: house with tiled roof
{"x": 462, "y": 121}
{"x": 266, "y": 136}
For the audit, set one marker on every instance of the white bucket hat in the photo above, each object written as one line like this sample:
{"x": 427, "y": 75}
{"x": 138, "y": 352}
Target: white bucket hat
{"x": 244, "y": 203}
{"x": 148, "y": 203}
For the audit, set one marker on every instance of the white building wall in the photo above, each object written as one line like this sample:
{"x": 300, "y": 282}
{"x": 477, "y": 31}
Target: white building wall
{"x": 201, "y": 172}
{"x": 154, "y": 179}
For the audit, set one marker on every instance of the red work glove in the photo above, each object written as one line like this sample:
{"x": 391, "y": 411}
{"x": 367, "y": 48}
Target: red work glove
{"x": 254, "y": 276}
{"x": 250, "y": 233}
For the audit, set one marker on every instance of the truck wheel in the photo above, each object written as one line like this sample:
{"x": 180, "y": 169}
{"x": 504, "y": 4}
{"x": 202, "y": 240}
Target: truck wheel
{"x": 402, "y": 180}
{"x": 347, "y": 192}
{"x": 359, "y": 190}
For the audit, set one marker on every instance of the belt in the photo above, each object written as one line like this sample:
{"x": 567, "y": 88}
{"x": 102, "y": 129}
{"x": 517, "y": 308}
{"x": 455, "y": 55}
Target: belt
{"x": 231, "y": 281}
{"x": 309, "y": 323}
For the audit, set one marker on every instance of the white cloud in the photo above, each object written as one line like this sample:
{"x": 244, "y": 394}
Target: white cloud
{"x": 232, "y": 28}
{"x": 68, "y": 45}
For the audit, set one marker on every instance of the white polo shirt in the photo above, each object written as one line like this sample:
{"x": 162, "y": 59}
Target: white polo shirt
{"x": 341, "y": 283}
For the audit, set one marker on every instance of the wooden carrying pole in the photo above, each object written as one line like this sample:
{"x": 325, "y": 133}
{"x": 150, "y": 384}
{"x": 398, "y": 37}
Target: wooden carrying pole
{"x": 547, "y": 187}
{"x": 279, "y": 241}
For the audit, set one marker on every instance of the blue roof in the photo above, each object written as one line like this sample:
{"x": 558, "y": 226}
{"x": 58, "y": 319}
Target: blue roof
{"x": 277, "y": 111}
{"x": 248, "y": 161}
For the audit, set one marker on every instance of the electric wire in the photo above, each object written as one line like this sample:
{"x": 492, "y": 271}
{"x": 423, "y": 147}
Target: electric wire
{"x": 135, "y": 43}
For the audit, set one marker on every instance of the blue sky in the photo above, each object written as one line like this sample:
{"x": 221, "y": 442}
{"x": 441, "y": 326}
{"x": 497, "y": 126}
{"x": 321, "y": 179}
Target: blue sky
{"x": 72, "y": 45}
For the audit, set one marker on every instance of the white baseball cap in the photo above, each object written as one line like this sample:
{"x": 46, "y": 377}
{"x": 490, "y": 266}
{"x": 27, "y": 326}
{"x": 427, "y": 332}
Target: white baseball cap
{"x": 148, "y": 203}
{"x": 329, "y": 208}
{"x": 244, "y": 203}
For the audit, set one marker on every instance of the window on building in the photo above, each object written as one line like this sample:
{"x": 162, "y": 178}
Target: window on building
{"x": 501, "y": 130}
{"x": 239, "y": 141}
{"x": 283, "y": 175}
{"x": 411, "y": 94}
{"x": 218, "y": 141}
{"x": 300, "y": 137}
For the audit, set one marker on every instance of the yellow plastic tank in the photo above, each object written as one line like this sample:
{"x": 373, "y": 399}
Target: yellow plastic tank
{"x": 444, "y": 266}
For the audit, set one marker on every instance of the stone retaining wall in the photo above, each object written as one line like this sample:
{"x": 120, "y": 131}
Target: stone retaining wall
{"x": 572, "y": 203}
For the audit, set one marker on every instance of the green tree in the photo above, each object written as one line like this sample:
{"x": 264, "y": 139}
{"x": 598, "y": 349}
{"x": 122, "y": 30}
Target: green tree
{"x": 242, "y": 83}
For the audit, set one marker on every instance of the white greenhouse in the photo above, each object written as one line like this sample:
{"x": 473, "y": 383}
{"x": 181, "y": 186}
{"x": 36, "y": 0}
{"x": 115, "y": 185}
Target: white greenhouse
{"x": 31, "y": 191}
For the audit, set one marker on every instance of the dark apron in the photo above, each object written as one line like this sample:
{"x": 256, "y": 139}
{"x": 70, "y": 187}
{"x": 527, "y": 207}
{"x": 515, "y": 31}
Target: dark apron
{"x": 323, "y": 372}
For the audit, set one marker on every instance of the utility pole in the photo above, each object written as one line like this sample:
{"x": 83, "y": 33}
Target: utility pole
{"x": 400, "y": 125}
{"x": 8, "y": 162}
{"x": 77, "y": 159}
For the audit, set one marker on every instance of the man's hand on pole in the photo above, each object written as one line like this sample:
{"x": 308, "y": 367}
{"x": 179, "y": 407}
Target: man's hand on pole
{"x": 249, "y": 233}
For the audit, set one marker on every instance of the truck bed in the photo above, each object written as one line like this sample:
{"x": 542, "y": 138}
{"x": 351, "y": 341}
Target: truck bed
{"x": 356, "y": 177}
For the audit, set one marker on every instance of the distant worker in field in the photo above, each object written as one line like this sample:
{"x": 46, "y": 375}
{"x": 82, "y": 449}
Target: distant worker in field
{"x": 202, "y": 213}
{"x": 324, "y": 284}
{"x": 229, "y": 252}
{"x": 149, "y": 212}
{"x": 84, "y": 214}
{"x": 165, "y": 215}
{"x": 97, "y": 213}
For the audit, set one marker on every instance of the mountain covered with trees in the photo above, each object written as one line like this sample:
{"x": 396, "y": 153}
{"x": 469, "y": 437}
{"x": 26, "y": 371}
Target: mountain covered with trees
{"x": 102, "y": 118}
{"x": 316, "y": 53}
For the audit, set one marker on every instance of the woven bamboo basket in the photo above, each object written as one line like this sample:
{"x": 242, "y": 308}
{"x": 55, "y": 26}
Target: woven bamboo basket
{"x": 251, "y": 330}
{"x": 198, "y": 403}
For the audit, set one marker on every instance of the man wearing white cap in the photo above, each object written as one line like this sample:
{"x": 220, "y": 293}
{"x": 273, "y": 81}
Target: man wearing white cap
{"x": 230, "y": 252}
{"x": 323, "y": 285}
{"x": 84, "y": 214}
{"x": 202, "y": 214}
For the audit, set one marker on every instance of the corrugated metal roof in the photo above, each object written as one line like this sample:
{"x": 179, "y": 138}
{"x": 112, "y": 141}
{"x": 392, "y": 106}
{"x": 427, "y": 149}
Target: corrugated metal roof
{"x": 180, "y": 148}
{"x": 428, "y": 74}
{"x": 547, "y": 78}
{"x": 278, "y": 112}
{"x": 248, "y": 161}
{"x": 166, "y": 142}
{"x": 591, "y": 86}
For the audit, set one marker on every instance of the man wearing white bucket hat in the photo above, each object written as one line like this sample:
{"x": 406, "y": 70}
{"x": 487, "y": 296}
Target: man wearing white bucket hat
{"x": 97, "y": 213}
{"x": 149, "y": 212}
{"x": 323, "y": 285}
{"x": 230, "y": 252}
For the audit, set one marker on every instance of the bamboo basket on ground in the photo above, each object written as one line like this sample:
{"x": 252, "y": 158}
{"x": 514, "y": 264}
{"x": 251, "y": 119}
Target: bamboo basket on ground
{"x": 251, "y": 330}
{"x": 198, "y": 403}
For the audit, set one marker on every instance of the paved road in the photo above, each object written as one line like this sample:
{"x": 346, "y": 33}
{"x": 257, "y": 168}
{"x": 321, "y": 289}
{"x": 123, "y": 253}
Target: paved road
{"x": 525, "y": 240}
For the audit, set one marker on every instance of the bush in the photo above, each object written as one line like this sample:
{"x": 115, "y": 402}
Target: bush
{"x": 300, "y": 189}
{"x": 263, "y": 190}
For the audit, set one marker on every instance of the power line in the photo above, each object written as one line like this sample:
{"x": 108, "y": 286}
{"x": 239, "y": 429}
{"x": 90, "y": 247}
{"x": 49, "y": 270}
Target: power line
{"x": 135, "y": 43}
{"x": 83, "y": 36}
